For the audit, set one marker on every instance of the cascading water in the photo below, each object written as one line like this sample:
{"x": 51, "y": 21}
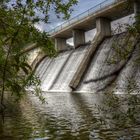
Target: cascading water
{"x": 106, "y": 67}
{"x": 106, "y": 64}
{"x": 128, "y": 80}
{"x": 62, "y": 83}
{"x": 42, "y": 67}
{"x": 51, "y": 68}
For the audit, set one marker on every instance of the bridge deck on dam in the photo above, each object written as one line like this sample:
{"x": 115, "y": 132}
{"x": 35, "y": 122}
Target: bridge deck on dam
{"x": 111, "y": 9}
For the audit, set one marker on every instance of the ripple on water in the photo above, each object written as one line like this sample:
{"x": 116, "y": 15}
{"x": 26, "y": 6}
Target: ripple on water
{"x": 77, "y": 118}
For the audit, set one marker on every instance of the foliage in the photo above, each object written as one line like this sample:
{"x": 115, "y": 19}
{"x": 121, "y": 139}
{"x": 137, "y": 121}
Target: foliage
{"x": 120, "y": 111}
{"x": 17, "y": 29}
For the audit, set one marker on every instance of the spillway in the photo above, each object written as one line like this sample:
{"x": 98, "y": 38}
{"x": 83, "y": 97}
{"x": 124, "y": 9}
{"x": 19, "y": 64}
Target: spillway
{"x": 56, "y": 73}
{"x": 109, "y": 64}
{"x": 112, "y": 64}
{"x": 50, "y": 68}
{"x": 128, "y": 79}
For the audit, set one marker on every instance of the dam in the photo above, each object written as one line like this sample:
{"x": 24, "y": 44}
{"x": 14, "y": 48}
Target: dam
{"x": 73, "y": 81}
{"x": 96, "y": 65}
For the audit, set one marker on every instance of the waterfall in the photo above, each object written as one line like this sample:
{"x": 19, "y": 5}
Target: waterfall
{"x": 62, "y": 83}
{"x": 106, "y": 69}
{"x": 103, "y": 72}
{"x": 128, "y": 80}
{"x": 98, "y": 73}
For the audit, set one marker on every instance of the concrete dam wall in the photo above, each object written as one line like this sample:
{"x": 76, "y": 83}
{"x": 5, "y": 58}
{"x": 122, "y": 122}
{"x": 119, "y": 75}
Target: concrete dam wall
{"x": 109, "y": 62}
{"x": 112, "y": 66}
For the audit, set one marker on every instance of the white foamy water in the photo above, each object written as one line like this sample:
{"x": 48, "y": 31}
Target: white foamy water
{"x": 57, "y": 73}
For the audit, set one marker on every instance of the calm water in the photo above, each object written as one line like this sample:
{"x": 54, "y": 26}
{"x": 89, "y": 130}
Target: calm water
{"x": 67, "y": 116}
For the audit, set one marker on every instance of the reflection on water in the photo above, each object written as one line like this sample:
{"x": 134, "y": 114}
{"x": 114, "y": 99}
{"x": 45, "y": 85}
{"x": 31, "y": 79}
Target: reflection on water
{"x": 68, "y": 116}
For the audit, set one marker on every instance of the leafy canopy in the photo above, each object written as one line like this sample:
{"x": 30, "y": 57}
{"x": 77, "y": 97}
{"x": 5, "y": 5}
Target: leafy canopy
{"x": 17, "y": 29}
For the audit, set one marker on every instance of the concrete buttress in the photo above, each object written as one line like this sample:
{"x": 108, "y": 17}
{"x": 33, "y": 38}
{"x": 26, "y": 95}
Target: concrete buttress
{"x": 103, "y": 30}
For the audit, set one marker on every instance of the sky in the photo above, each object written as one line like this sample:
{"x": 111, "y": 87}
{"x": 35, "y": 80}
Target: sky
{"x": 82, "y": 6}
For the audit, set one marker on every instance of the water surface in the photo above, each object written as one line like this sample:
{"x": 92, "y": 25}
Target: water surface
{"x": 72, "y": 116}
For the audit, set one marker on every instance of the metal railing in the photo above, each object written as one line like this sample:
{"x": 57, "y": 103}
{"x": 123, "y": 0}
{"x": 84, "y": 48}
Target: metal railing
{"x": 81, "y": 16}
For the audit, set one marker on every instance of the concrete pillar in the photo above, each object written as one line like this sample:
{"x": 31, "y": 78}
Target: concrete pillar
{"x": 137, "y": 9}
{"x": 60, "y": 44}
{"x": 103, "y": 30}
{"x": 78, "y": 37}
{"x": 103, "y": 26}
